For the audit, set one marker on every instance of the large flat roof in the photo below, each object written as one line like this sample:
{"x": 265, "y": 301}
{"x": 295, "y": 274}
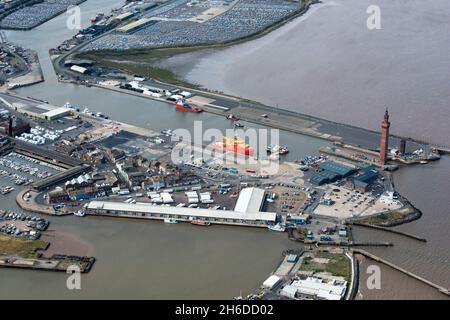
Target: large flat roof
{"x": 57, "y": 112}
{"x": 250, "y": 200}
{"x": 337, "y": 168}
{"x": 40, "y": 108}
{"x": 183, "y": 211}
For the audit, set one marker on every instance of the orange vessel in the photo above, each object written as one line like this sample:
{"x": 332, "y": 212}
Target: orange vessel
{"x": 200, "y": 223}
{"x": 235, "y": 145}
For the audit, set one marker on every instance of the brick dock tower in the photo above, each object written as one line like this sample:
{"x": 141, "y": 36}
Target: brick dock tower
{"x": 384, "y": 142}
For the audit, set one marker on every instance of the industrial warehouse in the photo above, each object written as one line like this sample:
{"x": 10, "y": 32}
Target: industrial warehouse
{"x": 246, "y": 212}
{"x": 43, "y": 111}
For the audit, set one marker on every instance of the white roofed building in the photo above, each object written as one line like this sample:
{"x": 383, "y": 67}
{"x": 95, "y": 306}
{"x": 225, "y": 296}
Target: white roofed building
{"x": 78, "y": 69}
{"x": 316, "y": 287}
{"x": 149, "y": 211}
{"x": 250, "y": 200}
{"x": 246, "y": 212}
{"x": 271, "y": 282}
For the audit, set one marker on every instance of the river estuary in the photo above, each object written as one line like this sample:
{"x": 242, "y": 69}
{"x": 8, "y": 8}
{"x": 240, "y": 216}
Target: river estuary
{"x": 140, "y": 259}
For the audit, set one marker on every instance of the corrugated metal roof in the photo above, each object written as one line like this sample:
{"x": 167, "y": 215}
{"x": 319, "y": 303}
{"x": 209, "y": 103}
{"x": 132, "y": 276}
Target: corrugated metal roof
{"x": 336, "y": 168}
{"x": 182, "y": 211}
{"x": 366, "y": 175}
{"x": 250, "y": 200}
{"x": 271, "y": 281}
{"x": 78, "y": 69}
{"x": 57, "y": 112}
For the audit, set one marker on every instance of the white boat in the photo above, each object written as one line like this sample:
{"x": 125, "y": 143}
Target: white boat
{"x": 170, "y": 221}
{"x": 168, "y": 132}
{"x": 79, "y": 213}
{"x": 277, "y": 227}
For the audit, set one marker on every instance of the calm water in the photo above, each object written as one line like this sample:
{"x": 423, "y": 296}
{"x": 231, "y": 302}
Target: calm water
{"x": 139, "y": 259}
{"x": 328, "y": 64}
{"x": 427, "y": 187}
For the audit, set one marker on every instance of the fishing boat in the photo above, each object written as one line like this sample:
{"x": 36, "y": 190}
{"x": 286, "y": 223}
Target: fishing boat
{"x": 97, "y": 18}
{"x": 79, "y": 213}
{"x": 184, "y": 106}
{"x": 271, "y": 149}
{"x": 283, "y": 150}
{"x": 199, "y": 222}
{"x": 170, "y": 221}
{"x": 232, "y": 117}
{"x": 235, "y": 145}
{"x": 277, "y": 227}
{"x": 238, "y": 125}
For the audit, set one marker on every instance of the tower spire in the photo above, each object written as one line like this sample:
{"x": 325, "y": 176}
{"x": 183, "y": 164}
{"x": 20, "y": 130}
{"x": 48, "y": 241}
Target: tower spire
{"x": 384, "y": 141}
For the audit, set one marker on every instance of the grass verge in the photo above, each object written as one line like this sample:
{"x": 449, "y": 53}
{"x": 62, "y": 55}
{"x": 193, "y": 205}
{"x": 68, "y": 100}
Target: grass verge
{"x": 14, "y": 246}
{"x": 338, "y": 264}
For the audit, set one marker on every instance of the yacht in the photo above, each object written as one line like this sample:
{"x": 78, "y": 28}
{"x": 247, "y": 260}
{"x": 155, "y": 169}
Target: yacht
{"x": 170, "y": 221}
{"x": 277, "y": 227}
{"x": 79, "y": 213}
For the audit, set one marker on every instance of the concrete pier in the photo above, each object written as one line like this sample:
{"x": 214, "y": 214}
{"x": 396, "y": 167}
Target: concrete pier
{"x": 55, "y": 263}
{"x": 360, "y": 224}
{"x": 412, "y": 275}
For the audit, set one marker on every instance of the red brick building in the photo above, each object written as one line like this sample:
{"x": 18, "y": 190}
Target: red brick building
{"x": 384, "y": 142}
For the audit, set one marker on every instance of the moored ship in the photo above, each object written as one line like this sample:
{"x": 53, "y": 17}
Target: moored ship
{"x": 235, "y": 145}
{"x": 184, "y": 106}
{"x": 97, "y": 18}
{"x": 199, "y": 222}
{"x": 170, "y": 221}
{"x": 232, "y": 117}
{"x": 277, "y": 227}
{"x": 79, "y": 213}
{"x": 277, "y": 149}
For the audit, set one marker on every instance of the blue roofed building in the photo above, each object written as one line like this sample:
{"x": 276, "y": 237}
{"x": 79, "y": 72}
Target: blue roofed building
{"x": 362, "y": 180}
{"x": 331, "y": 172}
{"x": 337, "y": 168}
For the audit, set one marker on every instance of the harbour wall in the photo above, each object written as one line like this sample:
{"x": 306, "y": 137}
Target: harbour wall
{"x": 412, "y": 275}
